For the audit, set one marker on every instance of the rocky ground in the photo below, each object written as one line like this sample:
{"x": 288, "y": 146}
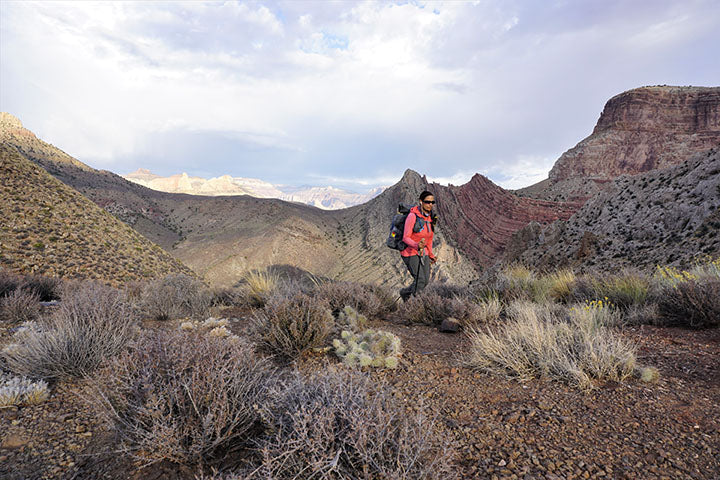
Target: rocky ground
{"x": 499, "y": 428}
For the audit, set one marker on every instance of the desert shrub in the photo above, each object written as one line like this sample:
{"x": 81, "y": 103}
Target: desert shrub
{"x": 19, "y": 306}
{"x": 690, "y": 304}
{"x": 624, "y": 290}
{"x": 91, "y": 324}
{"x": 175, "y": 296}
{"x": 641, "y": 314}
{"x": 706, "y": 270}
{"x": 668, "y": 276}
{"x": 597, "y": 312}
{"x": 485, "y": 311}
{"x": 9, "y": 281}
{"x": 18, "y": 391}
{"x": 182, "y": 397}
{"x": 289, "y": 327}
{"x": 537, "y": 342}
{"x": 426, "y": 308}
{"x": 46, "y": 288}
{"x": 386, "y": 297}
{"x": 227, "y": 297}
{"x": 447, "y": 290}
{"x": 335, "y": 426}
{"x": 371, "y": 348}
{"x": 515, "y": 282}
{"x": 368, "y": 300}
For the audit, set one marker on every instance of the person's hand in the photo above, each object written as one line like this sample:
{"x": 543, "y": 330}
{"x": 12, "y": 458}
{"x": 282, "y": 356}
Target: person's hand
{"x": 433, "y": 260}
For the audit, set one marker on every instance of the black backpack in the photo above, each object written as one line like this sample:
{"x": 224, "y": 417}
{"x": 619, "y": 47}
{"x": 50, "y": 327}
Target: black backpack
{"x": 397, "y": 227}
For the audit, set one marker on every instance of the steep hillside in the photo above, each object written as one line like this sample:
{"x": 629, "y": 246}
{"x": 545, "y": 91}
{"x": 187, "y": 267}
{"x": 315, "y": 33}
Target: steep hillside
{"x": 52, "y": 229}
{"x": 638, "y": 131}
{"x": 666, "y": 216}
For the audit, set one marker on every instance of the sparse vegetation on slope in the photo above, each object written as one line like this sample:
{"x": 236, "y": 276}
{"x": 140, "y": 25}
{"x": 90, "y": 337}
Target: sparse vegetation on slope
{"x": 51, "y": 229}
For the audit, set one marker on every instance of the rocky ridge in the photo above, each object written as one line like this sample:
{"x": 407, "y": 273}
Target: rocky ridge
{"x": 666, "y": 216}
{"x": 639, "y": 130}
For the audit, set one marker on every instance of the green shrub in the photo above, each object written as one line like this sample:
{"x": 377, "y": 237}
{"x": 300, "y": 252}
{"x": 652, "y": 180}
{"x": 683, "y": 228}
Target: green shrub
{"x": 182, "y": 397}
{"x": 289, "y": 327}
{"x": 690, "y": 304}
{"x": 624, "y": 290}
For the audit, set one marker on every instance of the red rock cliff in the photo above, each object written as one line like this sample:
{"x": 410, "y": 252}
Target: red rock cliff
{"x": 644, "y": 129}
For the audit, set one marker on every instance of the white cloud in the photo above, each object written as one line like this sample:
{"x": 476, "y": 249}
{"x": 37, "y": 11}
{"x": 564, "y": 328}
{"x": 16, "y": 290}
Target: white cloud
{"x": 341, "y": 90}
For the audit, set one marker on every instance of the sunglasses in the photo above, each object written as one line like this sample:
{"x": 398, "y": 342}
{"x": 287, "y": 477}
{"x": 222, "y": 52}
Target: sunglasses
{"x": 430, "y": 201}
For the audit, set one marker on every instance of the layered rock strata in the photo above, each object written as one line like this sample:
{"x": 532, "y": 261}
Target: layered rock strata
{"x": 639, "y": 130}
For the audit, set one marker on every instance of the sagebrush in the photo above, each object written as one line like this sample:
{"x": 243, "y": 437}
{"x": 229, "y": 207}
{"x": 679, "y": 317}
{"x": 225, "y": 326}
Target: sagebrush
{"x": 91, "y": 324}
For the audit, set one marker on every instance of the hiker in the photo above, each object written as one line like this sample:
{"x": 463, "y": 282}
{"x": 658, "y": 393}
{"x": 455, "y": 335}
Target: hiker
{"x": 418, "y": 236}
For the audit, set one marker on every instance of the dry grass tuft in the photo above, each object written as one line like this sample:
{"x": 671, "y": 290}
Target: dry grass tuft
{"x": 260, "y": 286}
{"x": 537, "y": 342}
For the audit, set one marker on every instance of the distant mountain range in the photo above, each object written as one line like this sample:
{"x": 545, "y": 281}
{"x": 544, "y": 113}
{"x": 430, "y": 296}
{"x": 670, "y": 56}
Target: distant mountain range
{"x": 327, "y": 198}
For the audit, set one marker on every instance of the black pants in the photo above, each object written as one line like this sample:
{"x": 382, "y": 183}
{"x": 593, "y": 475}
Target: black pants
{"x": 420, "y": 276}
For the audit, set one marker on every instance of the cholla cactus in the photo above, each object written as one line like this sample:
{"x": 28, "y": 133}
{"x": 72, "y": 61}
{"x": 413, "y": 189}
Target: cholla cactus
{"x": 187, "y": 326}
{"x": 350, "y": 319}
{"x": 370, "y": 348}
{"x": 219, "y": 332}
{"x": 212, "y": 326}
{"x": 15, "y": 391}
{"x": 214, "y": 323}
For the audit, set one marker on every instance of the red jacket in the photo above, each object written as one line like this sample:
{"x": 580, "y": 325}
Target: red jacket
{"x": 412, "y": 239}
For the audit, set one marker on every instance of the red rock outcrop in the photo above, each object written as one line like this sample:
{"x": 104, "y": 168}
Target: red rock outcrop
{"x": 639, "y": 130}
{"x": 481, "y": 217}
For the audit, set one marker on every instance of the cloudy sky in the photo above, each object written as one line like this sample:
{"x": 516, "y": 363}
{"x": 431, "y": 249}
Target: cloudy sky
{"x": 343, "y": 93}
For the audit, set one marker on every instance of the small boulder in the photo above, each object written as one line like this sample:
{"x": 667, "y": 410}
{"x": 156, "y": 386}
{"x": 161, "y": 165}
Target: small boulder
{"x": 13, "y": 441}
{"x": 450, "y": 325}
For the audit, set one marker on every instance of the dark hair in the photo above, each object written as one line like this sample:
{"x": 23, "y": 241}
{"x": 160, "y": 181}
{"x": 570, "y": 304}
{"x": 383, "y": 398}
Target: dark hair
{"x": 434, "y": 216}
{"x": 425, "y": 194}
